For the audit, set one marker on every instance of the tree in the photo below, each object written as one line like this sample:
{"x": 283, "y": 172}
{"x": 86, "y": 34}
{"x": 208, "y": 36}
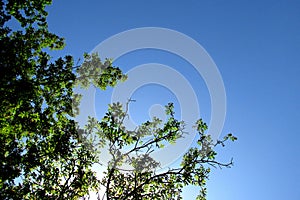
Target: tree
{"x": 45, "y": 154}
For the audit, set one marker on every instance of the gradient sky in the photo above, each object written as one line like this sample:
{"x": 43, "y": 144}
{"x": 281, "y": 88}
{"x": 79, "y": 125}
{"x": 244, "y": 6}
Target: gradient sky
{"x": 256, "y": 46}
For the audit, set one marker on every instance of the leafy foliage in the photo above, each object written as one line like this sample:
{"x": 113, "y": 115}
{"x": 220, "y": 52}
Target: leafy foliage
{"x": 41, "y": 151}
{"x": 45, "y": 155}
{"x": 144, "y": 179}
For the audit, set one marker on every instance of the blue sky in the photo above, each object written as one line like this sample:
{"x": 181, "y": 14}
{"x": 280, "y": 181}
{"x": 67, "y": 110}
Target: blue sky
{"x": 255, "y": 45}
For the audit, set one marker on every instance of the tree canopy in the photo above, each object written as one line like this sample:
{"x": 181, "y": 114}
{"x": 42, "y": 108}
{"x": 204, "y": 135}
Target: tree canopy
{"x": 46, "y": 155}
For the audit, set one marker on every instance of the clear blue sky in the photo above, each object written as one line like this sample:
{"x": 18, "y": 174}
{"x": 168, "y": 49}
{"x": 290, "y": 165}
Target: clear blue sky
{"x": 256, "y": 46}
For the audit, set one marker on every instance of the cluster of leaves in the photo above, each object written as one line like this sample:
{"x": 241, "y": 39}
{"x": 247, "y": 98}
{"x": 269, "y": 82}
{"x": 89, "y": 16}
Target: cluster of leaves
{"x": 101, "y": 75}
{"x": 42, "y": 155}
{"x": 133, "y": 174}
